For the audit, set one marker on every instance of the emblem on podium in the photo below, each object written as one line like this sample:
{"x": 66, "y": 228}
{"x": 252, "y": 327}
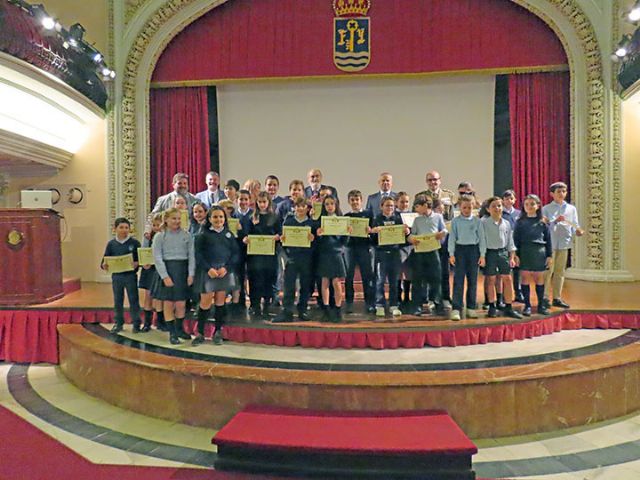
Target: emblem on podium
{"x": 351, "y": 35}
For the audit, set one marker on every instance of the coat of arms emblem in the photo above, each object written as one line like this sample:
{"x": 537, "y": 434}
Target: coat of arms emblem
{"x": 351, "y": 37}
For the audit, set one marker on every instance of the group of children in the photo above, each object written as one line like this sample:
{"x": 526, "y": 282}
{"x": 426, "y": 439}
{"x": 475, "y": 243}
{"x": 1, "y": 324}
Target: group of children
{"x": 208, "y": 262}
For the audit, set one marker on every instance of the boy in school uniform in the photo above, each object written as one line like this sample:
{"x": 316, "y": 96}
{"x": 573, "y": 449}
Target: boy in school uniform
{"x": 427, "y": 268}
{"x": 467, "y": 249}
{"x": 287, "y": 207}
{"x": 298, "y": 265}
{"x": 271, "y": 185}
{"x": 511, "y": 214}
{"x": 243, "y": 213}
{"x": 123, "y": 244}
{"x": 231, "y": 188}
{"x": 562, "y": 218}
{"x": 359, "y": 254}
{"x": 500, "y": 257}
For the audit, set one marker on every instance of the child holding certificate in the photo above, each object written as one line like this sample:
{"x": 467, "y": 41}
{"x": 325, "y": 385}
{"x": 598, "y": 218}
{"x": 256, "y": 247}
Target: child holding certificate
{"x": 175, "y": 264}
{"x": 147, "y": 277}
{"x": 217, "y": 253}
{"x": 262, "y": 269}
{"x": 534, "y": 253}
{"x": 403, "y": 205}
{"x": 467, "y": 248}
{"x": 387, "y": 258}
{"x": 236, "y": 308}
{"x": 359, "y": 254}
{"x": 123, "y": 244}
{"x": 331, "y": 265}
{"x": 427, "y": 269}
{"x": 298, "y": 263}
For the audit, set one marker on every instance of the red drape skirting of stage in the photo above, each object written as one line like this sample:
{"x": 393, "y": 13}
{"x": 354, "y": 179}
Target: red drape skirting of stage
{"x": 539, "y": 121}
{"x": 30, "y": 336}
{"x": 179, "y": 137}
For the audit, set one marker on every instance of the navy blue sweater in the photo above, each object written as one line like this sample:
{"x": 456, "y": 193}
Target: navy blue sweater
{"x": 115, "y": 249}
{"x": 216, "y": 249}
{"x": 360, "y": 241}
{"x": 532, "y": 230}
{"x": 299, "y": 252}
{"x": 382, "y": 221}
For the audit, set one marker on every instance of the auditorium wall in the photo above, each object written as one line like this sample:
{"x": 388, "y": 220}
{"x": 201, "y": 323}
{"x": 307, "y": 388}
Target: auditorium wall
{"x": 85, "y": 229}
{"x": 631, "y": 177}
{"x": 354, "y": 129}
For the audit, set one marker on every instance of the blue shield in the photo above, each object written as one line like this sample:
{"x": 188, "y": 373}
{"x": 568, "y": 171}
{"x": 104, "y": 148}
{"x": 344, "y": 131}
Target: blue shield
{"x": 351, "y": 43}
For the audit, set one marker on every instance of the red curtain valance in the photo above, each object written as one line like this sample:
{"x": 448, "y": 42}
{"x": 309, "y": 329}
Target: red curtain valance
{"x": 290, "y": 38}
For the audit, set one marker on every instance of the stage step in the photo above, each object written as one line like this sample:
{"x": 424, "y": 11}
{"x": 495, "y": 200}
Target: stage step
{"x": 71, "y": 284}
{"x": 416, "y": 444}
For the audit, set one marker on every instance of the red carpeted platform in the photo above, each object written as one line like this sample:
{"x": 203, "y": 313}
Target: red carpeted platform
{"x": 412, "y": 444}
{"x": 28, "y": 453}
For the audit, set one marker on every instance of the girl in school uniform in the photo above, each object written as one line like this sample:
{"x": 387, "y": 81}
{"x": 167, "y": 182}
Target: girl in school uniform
{"x": 198, "y": 217}
{"x": 332, "y": 268}
{"x": 146, "y": 280}
{"x": 262, "y": 269}
{"x": 175, "y": 263}
{"x": 217, "y": 254}
{"x": 534, "y": 253}
{"x": 237, "y": 307}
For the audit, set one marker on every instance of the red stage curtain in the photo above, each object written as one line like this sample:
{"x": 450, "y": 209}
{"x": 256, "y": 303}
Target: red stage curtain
{"x": 290, "y": 38}
{"x": 179, "y": 137}
{"x": 539, "y": 119}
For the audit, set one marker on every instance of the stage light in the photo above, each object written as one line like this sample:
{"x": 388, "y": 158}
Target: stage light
{"x": 73, "y": 42}
{"x": 97, "y": 57}
{"x": 112, "y": 74}
{"x": 48, "y": 23}
{"x": 106, "y": 72}
{"x": 634, "y": 14}
{"x": 623, "y": 46}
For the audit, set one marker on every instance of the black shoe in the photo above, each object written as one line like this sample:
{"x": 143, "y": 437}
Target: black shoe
{"x": 519, "y": 298}
{"x": 199, "y": 340}
{"x": 557, "y": 302}
{"x": 493, "y": 312}
{"x": 439, "y": 311}
{"x": 510, "y": 312}
{"x": 146, "y": 328}
{"x": 485, "y": 306}
{"x": 217, "y": 338}
{"x": 255, "y": 311}
{"x": 163, "y": 327}
{"x": 543, "y": 309}
{"x": 304, "y": 316}
{"x": 116, "y": 328}
{"x": 173, "y": 339}
{"x": 348, "y": 308}
{"x": 283, "y": 317}
{"x": 371, "y": 310}
{"x": 337, "y": 317}
{"x": 526, "y": 311}
{"x": 501, "y": 305}
{"x": 136, "y": 329}
{"x": 417, "y": 312}
{"x": 265, "y": 312}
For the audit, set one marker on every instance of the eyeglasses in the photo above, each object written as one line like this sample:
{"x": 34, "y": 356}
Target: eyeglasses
{"x": 433, "y": 179}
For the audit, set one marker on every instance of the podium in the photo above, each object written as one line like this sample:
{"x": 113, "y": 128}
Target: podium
{"x": 31, "y": 255}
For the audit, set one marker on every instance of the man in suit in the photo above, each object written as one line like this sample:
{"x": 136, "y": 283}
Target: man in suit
{"x": 385, "y": 182}
{"x": 436, "y": 192}
{"x": 314, "y": 179}
{"x": 213, "y": 194}
{"x": 180, "y": 188}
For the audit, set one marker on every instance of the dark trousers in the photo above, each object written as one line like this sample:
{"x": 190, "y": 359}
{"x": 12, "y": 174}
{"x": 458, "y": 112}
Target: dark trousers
{"x": 427, "y": 275}
{"x": 261, "y": 280}
{"x": 242, "y": 276}
{"x": 444, "y": 267}
{"x": 467, "y": 257}
{"x": 387, "y": 269}
{"x": 129, "y": 282}
{"x": 294, "y": 269}
{"x": 360, "y": 256}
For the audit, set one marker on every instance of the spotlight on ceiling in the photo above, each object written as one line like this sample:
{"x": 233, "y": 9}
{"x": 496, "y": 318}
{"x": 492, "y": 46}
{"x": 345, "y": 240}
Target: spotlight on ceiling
{"x": 634, "y": 14}
{"x": 623, "y": 46}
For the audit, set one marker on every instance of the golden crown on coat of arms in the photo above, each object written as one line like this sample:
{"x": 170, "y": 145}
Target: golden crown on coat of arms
{"x": 351, "y": 7}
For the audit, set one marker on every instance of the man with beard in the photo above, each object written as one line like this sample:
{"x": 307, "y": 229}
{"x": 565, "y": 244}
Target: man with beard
{"x": 180, "y": 188}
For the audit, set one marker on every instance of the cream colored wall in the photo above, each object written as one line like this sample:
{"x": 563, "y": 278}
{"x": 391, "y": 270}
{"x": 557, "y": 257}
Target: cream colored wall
{"x": 631, "y": 179}
{"x": 86, "y": 228}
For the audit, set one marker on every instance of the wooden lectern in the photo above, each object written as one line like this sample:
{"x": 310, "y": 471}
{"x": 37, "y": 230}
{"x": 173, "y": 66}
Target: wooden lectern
{"x": 31, "y": 270}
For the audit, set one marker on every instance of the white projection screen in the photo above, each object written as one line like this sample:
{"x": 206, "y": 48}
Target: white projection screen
{"x": 354, "y": 129}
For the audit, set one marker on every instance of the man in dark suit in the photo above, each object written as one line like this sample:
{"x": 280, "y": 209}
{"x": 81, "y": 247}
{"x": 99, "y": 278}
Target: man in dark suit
{"x": 314, "y": 179}
{"x": 385, "y": 182}
{"x": 213, "y": 194}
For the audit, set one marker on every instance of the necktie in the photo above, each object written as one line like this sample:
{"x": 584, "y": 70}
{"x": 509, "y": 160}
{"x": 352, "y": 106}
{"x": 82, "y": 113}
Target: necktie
{"x": 213, "y": 199}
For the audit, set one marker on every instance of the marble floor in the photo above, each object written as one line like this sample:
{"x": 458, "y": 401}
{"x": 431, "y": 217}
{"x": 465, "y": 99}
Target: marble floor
{"x": 106, "y": 434}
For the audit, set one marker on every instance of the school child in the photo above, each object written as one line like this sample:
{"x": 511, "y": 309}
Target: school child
{"x": 175, "y": 263}
{"x": 244, "y": 214}
{"x": 403, "y": 205}
{"x": 198, "y": 217}
{"x": 254, "y": 187}
{"x": 427, "y": 268}
{"x": 500, "y": 257}
{"x": 231, "y": 188}
{"x": 467, "y": 249}
{"x": 262, "y": 269}
{"x": 236, "y": 308}
{"x": 562, "y": 218}
{"x": 287, "y": 207}
{"x": 298, "y": 265}
{"x": 331, "y": 265}
{"x": 387, "y": 259}
{"x": 123, "y": 244}
{"x": 534, "y": 252}
{"x": 271, "y": 186}
{"x": 145, "y": 283}
{"x": 445, "y": 279}
{"x": 359, "y": 254}
{"x": 511, "y": 213}
{"x": 217, "y": 254}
